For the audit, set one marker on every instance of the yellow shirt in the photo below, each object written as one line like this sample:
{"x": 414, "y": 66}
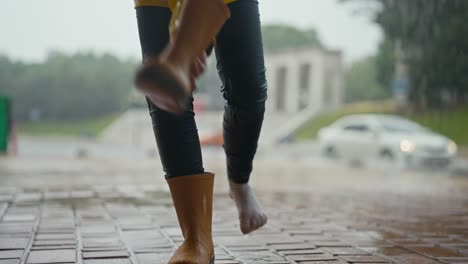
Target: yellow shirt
{"x": 171, "y": 4}
{"x": 164, "y": 3}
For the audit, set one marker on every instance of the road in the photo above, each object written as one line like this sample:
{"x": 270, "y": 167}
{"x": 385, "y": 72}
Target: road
{"x": 65, "y": 161}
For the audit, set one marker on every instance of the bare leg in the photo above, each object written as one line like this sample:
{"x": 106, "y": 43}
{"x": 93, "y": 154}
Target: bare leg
{"x": 241, "y": 67}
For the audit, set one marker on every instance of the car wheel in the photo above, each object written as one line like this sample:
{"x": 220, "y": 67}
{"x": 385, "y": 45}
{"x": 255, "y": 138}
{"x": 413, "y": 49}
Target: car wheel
{"x": 331, "y": 152}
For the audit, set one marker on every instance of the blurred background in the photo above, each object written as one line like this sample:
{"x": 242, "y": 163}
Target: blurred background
{"x": 362, "y": 94}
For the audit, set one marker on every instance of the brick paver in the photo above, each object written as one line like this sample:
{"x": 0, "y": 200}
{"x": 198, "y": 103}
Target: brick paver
{"x": 115, "y": 225}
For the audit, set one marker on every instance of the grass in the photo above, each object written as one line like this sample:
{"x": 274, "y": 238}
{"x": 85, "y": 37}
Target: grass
{"x": 452, "y": 123}
{"x": 89, "y": 128}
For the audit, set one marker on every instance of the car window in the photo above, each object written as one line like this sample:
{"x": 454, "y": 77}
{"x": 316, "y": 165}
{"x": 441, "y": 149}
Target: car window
{"x": 356, "y": 127}
{"x": 390, "y": 124}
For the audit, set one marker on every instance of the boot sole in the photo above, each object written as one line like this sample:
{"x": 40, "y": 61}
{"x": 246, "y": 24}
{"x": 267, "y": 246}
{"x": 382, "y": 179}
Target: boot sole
{"x": 167, "y": 85}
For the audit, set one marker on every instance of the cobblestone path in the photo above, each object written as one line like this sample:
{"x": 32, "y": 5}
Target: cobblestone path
{"x": 136, "y": 224}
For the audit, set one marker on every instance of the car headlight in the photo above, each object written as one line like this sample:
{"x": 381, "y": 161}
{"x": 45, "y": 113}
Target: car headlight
{"x": 407, "y": 146}
{"x": 451, "y": 147}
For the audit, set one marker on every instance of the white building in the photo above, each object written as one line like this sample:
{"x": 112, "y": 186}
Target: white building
{"x": 301, "y": 83}
{"x": 305, "y": 79}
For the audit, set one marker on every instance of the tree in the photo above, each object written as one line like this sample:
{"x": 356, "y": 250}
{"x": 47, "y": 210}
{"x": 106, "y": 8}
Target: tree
{"x": 64, "y": 87}
{"x": 361, "y": 82}
{"x": 280, "y": 36}
{"x": 385, "y": 63}
{"x": 85, "y": 85}
{"x": 434, "y": 38}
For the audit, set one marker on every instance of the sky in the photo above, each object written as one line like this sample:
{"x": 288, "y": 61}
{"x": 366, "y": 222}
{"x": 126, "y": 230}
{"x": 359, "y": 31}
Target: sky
{"x": 29, "y": 29}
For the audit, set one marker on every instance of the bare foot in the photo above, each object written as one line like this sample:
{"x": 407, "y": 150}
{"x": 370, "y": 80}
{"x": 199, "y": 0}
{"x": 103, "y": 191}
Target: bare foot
{"x": 251, "y": 215}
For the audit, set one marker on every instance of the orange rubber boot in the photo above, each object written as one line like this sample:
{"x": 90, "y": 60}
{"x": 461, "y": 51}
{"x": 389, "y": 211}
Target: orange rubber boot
{"x": 193, "y": 200}
{"x": 166, "y": 79}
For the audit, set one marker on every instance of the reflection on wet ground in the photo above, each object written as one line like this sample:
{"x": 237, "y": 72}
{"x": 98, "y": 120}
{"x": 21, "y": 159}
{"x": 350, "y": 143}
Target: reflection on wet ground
{"x": 125, "y": 223}
{"x": 95, "y": 210}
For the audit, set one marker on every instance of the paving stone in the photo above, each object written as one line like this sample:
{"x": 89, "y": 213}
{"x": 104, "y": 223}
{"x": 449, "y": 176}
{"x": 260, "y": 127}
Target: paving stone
{"x": 322, "y": 228}
{"x": 6, "y": 197}
{"x": 329, "y": 243}
{"x": 53, "y": 247}
{"x": 102, "y": 243}
{"x": 10, "y": 261}
{"x": 13, "y": 243}
{"x": 237, "y": 241}
{"x": 109, "y": 261}
{"x": 455, "y": 260}
{"x": 364, "y": 259}
{"x": 98, "y": 229}
{"x": 56, "y": 195}
{"x": 82, "y": 194}
{"x": 19, "y": 217}
{"x": 292, "y": 246}
{"x": 49, "y": 236}
{"x": 105, "y": 254}
{"x": 150, "y": 258}
{"x": 327, "y": 262}
{"x": 259, "y": 256}
{"x": 277, "y": 239}
{"x": 54, "y": 242}
{"x": 3, "y": 206}
{"x": 413, "y": 259}
{"x": 302, "y": 252}
{"x": 11, "y": 254}
{"x": 52, "y": 256}
{"x": 313, "y": 257}
{"x": 15, "y": 228}
{"x": 343, "y": 251}
{"x": 247, "y": 248}
{"x": 28, "y": 197}
{"x": 435, "y": 251}
{"x": 104, "y": 248}
{"x": 226, "y": 261}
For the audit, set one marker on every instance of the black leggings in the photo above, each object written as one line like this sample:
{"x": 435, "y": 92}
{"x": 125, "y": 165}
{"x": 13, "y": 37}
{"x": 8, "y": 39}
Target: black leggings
{"x": 239, "y": 52}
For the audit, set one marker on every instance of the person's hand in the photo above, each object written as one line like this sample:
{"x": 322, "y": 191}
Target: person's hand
{"x": 197, "y": 69}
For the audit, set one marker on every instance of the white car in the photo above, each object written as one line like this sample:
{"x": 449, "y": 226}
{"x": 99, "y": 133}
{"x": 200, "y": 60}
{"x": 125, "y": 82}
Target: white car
{"x": 386, "y": 137}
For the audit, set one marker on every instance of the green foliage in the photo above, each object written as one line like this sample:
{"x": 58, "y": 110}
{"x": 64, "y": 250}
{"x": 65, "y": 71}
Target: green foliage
{"x": 4, "y": 123}
{"x": 280, "y": 36}
{"x": 452, "y": 122}
{"x": 434, "y": 39}
{"x": 361, "y": 82}
{"x": 67, "y": 87}
{"x": 85, "y": 85}
{"x": 436, "y": 44}
{"x": 385, "y": 63}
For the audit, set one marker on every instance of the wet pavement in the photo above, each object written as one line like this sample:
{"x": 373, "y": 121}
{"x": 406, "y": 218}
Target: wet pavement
{"x": 57, "y": 207}
{"x": 136, "y": 224}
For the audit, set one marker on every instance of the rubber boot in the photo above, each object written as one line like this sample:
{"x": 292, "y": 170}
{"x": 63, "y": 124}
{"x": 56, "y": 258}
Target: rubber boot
{"x": 166, "y": 80}
{"x": 193, "y": 200}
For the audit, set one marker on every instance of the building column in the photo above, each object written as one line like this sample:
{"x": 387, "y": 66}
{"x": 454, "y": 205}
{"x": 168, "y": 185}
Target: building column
{"x": 317, "y": 83}
{"x": 292, "y": 86}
